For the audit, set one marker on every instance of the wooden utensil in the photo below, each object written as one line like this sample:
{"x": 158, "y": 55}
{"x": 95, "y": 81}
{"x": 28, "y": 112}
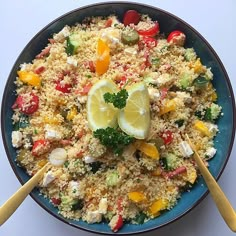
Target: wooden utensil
{"x": 9, "y": 207}
{"x": 221, "y": 201}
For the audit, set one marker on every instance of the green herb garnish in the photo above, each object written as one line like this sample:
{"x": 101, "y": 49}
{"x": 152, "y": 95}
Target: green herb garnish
{"x": 118, "y": 99}
{"x": 113, "y": 138}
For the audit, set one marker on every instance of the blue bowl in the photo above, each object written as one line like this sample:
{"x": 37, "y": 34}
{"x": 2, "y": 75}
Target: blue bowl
{"x": 168, "y": 23}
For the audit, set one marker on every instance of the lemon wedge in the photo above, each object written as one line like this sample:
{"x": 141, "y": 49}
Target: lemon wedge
{"x": 134, "y": 118}
{"x": 99, "y": 113}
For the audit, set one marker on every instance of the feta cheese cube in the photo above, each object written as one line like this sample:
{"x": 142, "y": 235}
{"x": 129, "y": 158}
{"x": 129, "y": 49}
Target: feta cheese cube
{"x": 93, "y": 217}
{"x": 16, "y": 137}
{"x": 52, "y": 133}
{"x": 185, "y": 149}
{"x": 89, "y": 159}
{"x": 73, "y": 187}
{"x": 72, "y": 61}
{"x": 210, "y": 152}
{"x": 48, "y": 178}
{"x": 103, "y": 206}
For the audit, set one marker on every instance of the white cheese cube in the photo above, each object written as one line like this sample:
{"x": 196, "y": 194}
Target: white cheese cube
{"x": 73, "y": 187}
{"x": 16, "y": 137}
{"x": 48, "y": 178}
{"x": 185, "y": 149}
{"x": 89, "y": 159}
{"x": 103, "y": 206}
{"x": 93, "y": 217}
{"x": 52, "y": 133}
{"x": 210, "y": 152}
{"x": 72, "y": 61}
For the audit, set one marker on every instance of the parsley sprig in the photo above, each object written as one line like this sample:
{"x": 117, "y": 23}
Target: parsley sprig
{"x": 118, "y": 99}
{"x": 113, "y": 138}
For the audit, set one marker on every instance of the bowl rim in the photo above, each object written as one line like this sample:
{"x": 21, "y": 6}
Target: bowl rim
{"x": 11, "y": 161}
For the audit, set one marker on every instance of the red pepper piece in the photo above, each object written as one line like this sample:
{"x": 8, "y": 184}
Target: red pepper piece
{"x": 167, "y": 137}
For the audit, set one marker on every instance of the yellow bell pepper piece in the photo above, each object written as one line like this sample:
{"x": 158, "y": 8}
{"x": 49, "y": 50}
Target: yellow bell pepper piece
{"x": 51, "y": 120}
{"x": 213, "y": 96}
{"x": 192, "y": 176}
{"x": 198, "y": 67}
{"x": 136, "y": 196}
{"x": 29, "y": 77}
{"x": 157, "y": 172}
{"x": 72, "y": 113}
{"x": 201, "y": 126}
{"x": 157, "y": 206}
{"x": 103, "y": 57}
{"x": 42, "y": 163}
{"x": 170, "y": 105}
{"x": 147, "y": 148}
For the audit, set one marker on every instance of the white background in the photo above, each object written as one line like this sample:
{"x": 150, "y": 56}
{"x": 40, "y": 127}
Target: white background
{"x": 21, "y": 20}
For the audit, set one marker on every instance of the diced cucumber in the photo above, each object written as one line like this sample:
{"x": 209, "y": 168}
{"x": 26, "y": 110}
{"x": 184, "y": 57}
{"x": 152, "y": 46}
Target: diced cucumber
{"x": 72, "y": 44}
{"x": 130, "y": 37}
{"x": 112, "y": 178}
{"x": 200, "y": 82}
{"x": 185, "y": 81}
{"x": 140, "y": 218}
{"x": 190, "y": 54}
{"x": 215, "y": 111}
{"x": 169, "y": 161}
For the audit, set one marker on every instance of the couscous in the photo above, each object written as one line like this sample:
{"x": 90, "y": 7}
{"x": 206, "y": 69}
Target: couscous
{"x": 108, "y": 103}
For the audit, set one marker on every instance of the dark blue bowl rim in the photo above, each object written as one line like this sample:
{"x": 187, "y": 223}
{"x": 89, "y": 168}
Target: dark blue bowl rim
{"x": 176, "y": 18}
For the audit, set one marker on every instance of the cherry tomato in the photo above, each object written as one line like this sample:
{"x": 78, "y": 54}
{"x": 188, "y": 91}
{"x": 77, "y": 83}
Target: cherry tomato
{"x": 167, "y": 136}
{"x": 40, "y": 147}
{"x": 176, "y": 37}
{"x": 119, "y": 224}
{"x": 65, "y": 88}
{"x": 56, "y": 201}
{"x": 131, "y": 17}
{"x": 149, "y": 42}
{"x": 151, "y": 32}
{"x": 28, "y": 103}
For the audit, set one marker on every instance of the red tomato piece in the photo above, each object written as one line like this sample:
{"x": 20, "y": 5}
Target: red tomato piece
{"x": 91, "y": 66}
{"x": 149, "y": 42}
{"x": 108, "y": 23}
{"x": 176, "y": 37}
{"x": 39, "y": 70}
{"x": 151, "y": 32}
{"x": 119, "y": 224}
{"x": 40, "y": 147}
{"x": 164, "y": 92}
{"x": 64, "y": 88}
{"x": 86, "y": 89}
{"x": 56, "y": 201}
{"x": 167, "y": 137}
{"x": 131, "y": 17}
{"x": 28, "y": 103}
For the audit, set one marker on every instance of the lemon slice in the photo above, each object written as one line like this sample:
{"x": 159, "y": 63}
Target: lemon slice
{"x": 134, "y": 119}
{"x": 99, "y": 113}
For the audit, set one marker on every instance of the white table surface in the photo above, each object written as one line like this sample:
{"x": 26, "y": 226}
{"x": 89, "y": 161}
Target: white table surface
{"x": 21, "y": 20}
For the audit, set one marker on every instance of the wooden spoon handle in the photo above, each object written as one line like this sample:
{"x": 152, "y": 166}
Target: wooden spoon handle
{"x": 9, "y": 207}
{"x": 225, "y": 208}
